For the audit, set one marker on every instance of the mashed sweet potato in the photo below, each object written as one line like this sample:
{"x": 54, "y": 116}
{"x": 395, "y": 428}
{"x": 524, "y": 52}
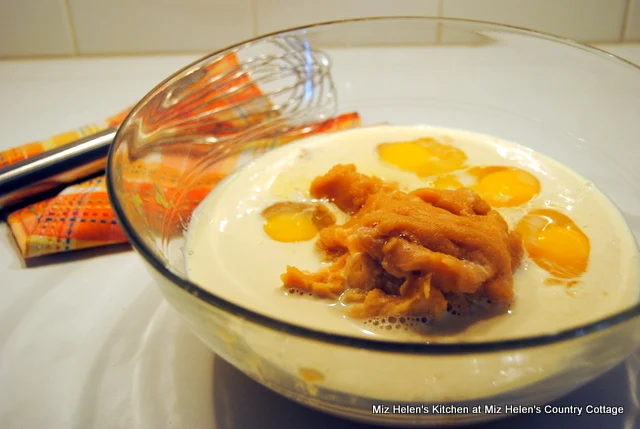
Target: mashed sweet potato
{"x": 409, "y": 254}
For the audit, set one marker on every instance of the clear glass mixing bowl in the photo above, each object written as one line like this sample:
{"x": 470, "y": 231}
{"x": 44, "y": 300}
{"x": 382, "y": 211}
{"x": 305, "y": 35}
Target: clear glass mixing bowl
{"x": 573, "y": 103}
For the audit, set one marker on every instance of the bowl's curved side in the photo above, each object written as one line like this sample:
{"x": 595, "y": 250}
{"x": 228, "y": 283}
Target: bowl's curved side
{"x": 517, "y": 85}
{"x": 438, "y": 391}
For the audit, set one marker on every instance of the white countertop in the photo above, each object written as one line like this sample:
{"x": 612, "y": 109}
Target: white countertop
{"x": 56, "y": 373}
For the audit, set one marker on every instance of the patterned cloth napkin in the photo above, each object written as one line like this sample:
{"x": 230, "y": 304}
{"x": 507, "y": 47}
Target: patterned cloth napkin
{"x": 81, "y": 216}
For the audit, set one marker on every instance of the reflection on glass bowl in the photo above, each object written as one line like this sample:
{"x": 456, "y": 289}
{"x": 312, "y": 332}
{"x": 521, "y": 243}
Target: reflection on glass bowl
{"x": 572, "y": 103}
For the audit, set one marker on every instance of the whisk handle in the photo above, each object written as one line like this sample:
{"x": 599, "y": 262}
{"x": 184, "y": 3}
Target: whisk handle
{"x": 55, "y": 168}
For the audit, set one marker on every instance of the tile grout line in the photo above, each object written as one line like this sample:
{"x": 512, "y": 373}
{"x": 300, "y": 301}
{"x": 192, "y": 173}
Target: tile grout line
{"x": 72, "y": 28}
{"x": 440, "y": 13}
{"x": 108, "y": 55}
{"x": 254, "y": 18}
{"x": 625, "y": 21}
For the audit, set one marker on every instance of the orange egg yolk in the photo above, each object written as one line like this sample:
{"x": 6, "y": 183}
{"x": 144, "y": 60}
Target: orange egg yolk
{"x": 555, "y": 243}
{"x": 293, "y": 221}
{"x": 504, "y": 186}
{"x": 425, "y": 157}
{"x": 446, "y": 181}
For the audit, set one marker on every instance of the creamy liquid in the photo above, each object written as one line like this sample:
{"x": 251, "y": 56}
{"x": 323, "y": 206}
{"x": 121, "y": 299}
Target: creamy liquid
{"x": 229, "y": 254}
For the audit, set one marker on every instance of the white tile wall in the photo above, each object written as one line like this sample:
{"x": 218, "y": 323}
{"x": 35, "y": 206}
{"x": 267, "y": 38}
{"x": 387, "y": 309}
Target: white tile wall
{"x": 135, "y": 26}
{"x": 585, "y": 20}
{"x": 272, "y": 15}
{"x": 63, "y": 27}
{"x": 34, "y": 27}
{"x": 632, "y": 33}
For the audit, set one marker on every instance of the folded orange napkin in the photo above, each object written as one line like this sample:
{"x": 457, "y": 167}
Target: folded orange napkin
{"x": 81, "y": 216}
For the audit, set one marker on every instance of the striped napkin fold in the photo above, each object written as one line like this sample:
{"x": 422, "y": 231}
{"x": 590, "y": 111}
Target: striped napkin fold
{"x": 82, "y": 217}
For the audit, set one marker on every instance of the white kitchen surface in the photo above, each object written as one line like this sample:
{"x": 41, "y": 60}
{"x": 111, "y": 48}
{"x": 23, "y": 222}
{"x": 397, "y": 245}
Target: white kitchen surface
{"x": 88, "y": 342}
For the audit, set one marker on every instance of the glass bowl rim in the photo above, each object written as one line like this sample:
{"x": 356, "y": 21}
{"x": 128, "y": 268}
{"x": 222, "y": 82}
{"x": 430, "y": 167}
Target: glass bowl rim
{"x": 414, "y": 348}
